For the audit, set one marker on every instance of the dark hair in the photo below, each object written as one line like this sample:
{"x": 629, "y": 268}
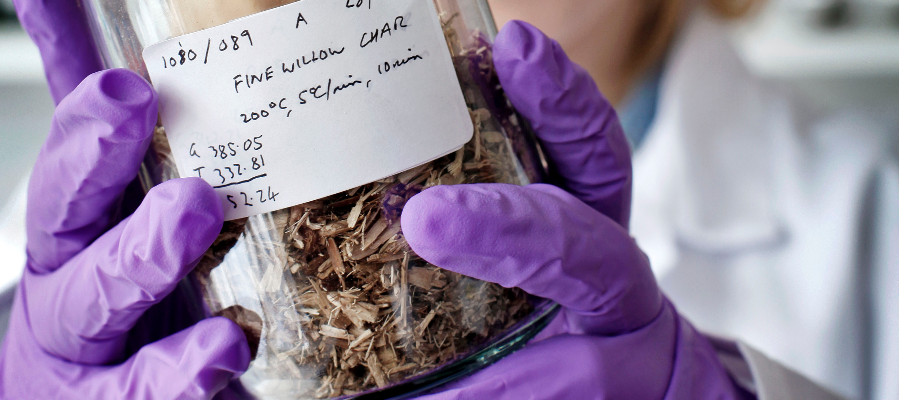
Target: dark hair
{"x": 733, "y": 9}
{"x": 662, "y": 21}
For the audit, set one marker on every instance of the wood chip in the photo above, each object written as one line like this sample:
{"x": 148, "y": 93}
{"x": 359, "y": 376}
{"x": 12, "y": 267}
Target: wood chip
{"x": 426, "y": 278}
{"x": 335, "y": 257}
{"x": 330, "y": 331}
{"x": 374, "y": 366}
{"x": 335, "y": 229}
{"x": 425, "y": 322}
{"x": 362, "y": 337}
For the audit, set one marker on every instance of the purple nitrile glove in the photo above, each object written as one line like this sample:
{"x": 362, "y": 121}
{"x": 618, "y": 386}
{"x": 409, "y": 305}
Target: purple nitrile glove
{"x": 617, "y": 336}
{"x": 60, "y": 31}
{"x": 88, "y": 280}
{"x": 83, "y": 289}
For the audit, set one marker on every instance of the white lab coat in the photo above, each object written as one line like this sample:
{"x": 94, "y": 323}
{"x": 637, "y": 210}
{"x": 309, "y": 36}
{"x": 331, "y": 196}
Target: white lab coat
{"x": 771, "y": 223}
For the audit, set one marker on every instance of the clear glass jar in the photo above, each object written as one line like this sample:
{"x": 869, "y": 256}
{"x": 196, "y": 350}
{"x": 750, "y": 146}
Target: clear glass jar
{"x": 332, "y": 299}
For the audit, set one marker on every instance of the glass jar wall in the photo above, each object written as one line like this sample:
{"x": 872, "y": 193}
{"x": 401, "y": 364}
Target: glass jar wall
{"x": 332, "y": 299}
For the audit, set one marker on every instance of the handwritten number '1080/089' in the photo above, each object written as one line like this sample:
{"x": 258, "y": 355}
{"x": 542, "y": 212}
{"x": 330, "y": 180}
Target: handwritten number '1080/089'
{"x": 247, "y": 200}
{"x": 187, "y": 55}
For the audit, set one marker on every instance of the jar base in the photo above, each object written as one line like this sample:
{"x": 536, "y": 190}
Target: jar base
{"x": 516, "y": 338}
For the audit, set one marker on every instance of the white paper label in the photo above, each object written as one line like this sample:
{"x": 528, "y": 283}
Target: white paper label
{"x": 309, "y": 99}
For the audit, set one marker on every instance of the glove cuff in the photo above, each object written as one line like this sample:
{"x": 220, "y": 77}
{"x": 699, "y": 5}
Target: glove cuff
{"x": 697, "y": 372}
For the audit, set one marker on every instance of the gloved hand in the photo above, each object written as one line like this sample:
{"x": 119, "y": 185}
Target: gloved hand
{"x": 617, "y": 336}
{"x": 86, "y": 282}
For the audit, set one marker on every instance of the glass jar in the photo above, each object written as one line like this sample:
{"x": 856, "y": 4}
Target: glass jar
{"x": 330, "y": 296}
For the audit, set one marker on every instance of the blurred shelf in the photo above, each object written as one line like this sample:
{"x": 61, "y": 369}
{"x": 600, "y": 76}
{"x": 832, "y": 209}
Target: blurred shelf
{"x": 20, "y": 61}
{"x": 783, "y": 44}
{"x": 12, "y": 237}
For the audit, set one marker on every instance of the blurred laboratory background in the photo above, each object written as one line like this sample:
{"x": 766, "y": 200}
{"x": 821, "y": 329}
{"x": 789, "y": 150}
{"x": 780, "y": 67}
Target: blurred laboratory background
{"x": 833, "y": 53}
{"x": 838, "y": 52}
{"x": 25, "y": 112}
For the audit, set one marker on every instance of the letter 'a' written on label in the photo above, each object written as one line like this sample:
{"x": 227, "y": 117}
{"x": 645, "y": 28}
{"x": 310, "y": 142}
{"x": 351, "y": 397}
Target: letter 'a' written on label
{"x": 308, "y": 99}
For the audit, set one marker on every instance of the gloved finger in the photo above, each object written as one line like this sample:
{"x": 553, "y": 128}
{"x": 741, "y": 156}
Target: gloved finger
{"x": 61, "y": 33}
{"x": 96, "y": 143}
{"x": 85, "y": 308}
{"x": 574, "y": 367}
{"x": 195, "y": 363}
{"x": 666, "y": 359}
{"x": 576, "y": 125}
{"x": 541, "y": 239}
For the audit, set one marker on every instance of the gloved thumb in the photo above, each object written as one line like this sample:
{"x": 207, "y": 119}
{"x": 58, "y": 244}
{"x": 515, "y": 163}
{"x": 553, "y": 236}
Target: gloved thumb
{"x": 543, "y": 240}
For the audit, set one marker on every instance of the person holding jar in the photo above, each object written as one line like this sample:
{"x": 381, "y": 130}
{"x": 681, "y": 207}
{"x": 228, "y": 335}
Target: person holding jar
{"x": 617, "y": 336}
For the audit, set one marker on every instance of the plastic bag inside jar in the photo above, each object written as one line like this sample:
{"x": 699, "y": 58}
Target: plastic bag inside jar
{"x": 343, "y": 305}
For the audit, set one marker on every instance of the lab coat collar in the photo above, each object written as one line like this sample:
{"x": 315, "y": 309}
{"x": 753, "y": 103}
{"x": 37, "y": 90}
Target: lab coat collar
{"x": 710, "y": 149}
